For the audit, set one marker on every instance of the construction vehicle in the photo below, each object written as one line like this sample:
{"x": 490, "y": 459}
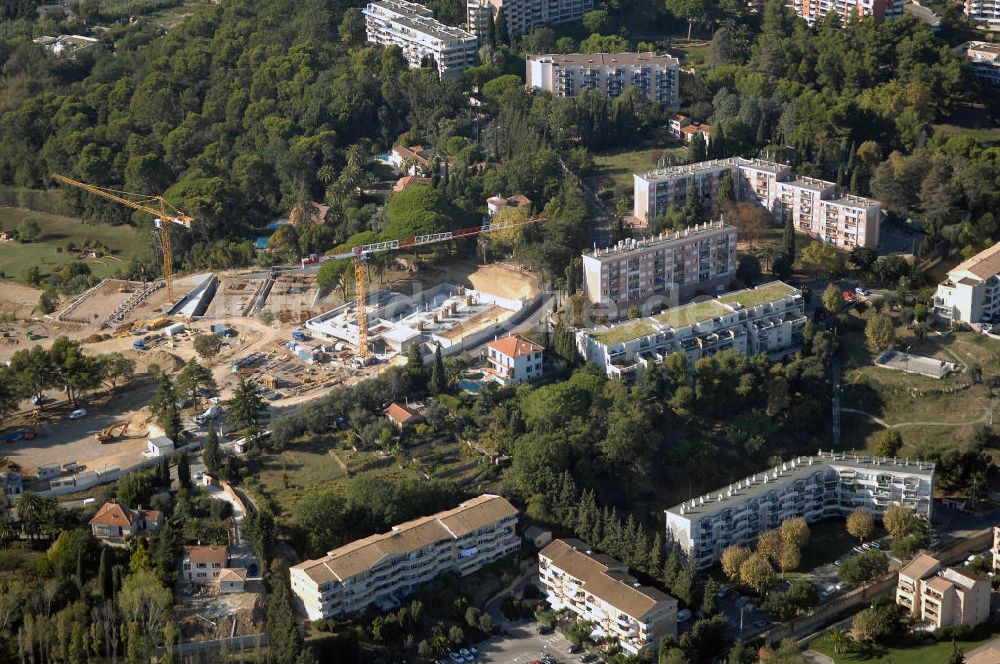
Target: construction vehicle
{"x": 361, "y": 253}
{"x": 162, "y": 218}
{"x": 116, "y": 430}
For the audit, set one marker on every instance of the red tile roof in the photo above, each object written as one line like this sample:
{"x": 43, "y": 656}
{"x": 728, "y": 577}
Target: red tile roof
{"x": 399, "y": 413}
{"x": 514, "y": 346}
{"x": 409, "y": 181}
{"x": 205, "y": 554}
{"x": 113, "y": 514}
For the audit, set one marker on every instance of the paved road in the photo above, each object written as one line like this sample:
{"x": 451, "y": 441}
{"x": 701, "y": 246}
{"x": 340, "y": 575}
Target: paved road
{"x": 522, "y": 644}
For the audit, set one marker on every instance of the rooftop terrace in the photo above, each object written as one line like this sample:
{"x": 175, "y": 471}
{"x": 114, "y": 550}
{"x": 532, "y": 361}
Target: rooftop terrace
{"x": 694, "y": 312}
{"x": 752, "y": 297}
{"x": 617, "y": 334}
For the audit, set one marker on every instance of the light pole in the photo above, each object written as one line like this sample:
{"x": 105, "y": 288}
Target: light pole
{"x": 906, "y": 361}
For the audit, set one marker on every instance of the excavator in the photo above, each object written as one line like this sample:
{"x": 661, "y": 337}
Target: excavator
{"x": 116, "y": 430}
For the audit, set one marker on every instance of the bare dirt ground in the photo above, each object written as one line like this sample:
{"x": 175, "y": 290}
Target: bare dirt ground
{"x": 17, "y": 300}
{"x": 62, "y": 440}
{"x": 504, "y": 281}
{"x": 482, "y": 320}
{"x": 206, "y": 614}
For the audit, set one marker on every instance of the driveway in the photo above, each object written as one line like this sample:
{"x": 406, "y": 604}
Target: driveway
{"x": 522, "y": 644}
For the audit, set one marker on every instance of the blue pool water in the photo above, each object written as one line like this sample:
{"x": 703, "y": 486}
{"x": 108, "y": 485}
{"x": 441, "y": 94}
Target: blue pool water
{"x": 471, "y": 386}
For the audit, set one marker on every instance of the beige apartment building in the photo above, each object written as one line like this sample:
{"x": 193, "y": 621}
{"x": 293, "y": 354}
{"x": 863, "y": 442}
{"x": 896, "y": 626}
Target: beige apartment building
{"x": 942, "y": 597}
{"x": 984, "y": 58}
{"x": 522, "y": 15}
{"x": 815, "y": 206}
{"x": 413, "y": 28}
{"x": 567, "y": 75}
{"x": 384, "y": 568}
{"x": 673, "y": 266}
{"x": 971, "y": 291}
{"x": 598, "y": 588}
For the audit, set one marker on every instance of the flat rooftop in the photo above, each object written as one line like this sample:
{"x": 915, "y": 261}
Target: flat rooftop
{"x": 417, "y": 18}
{"x": 799, "y": 468}
{"x": 617, "y": 334}
{"x": 606, "y": 59}
{"x": 712, "y": 165}
{"x": 662, "y": 240}
{"x": 752, "y": 297}
{"x": 813, "y": 184}
{"x": 694, "y": 312}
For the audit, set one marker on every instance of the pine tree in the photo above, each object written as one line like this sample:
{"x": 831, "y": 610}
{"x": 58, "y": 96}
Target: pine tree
{"x": 672, "y": 567}
{"x": 439, "y": 382}
{"x": 788, "y": 242}
{"x": 415, "y": 368}
{"x": 566, "y": 502}
{"x": 210, "y": 453}
{"x": 164, "y": 408}
{"x": 282, "y": 632}
{"x": 183, "y": 471}
{"x": 105, "y": 580}
{"x": 694, "y": 211}
{"x": 586, "y": 516}
{"x": 641, "y": 549}
{"x": 654, "y": 560}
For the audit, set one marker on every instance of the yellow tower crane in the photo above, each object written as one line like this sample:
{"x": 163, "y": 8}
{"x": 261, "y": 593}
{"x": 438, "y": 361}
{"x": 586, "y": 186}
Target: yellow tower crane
{"x": 165, "y": 213}
{"x": 361, "y": 253}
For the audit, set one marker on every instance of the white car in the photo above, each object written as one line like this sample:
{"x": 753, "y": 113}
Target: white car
{"x": 78, "y": 414}
{"x": 683, "y": 614}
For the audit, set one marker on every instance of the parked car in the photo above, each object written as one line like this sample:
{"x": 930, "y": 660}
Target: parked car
{"x": 545, "y": 629}
{"x": 683, "y": 614}
{"x": 474, "y": 650}
{"x": 466, "y": 655}
{"x": 723, "y": 591}
{"x": 455, "y": 657}
{"x": 876, "y": 544}
{"x": 862, "y": 292}
{"x": 78, "y": 414}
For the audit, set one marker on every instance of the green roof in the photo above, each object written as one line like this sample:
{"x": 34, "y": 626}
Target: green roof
{"x": 691, "y": 313}
{"x": 625, "y": 332}
{"x": 751, "y": 297}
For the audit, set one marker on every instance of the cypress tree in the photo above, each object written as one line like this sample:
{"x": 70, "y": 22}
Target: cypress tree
{"x": 79, "y": 572}
{"x": 500, "y": 29}
{"x": 105, "y": 580}
{"x": 655, "y": 558}
{"x": 671, "y": 567}
{"x": 439, "y": 382}
{"x": 282, "y": 632}
{"x": 788, "y": 242}
{"x": 491, "y": 32}
{"x": 855, "y": 185}
{"x": 163, "y": 472}
{"x": 415, "y": 368}
{"x": 183, "y": 471}
{"x": 210, "y": 453}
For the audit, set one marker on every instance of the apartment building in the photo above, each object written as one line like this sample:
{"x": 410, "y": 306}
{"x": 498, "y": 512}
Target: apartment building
{"x": 996, "y": 548}
{"x": 512, "y": 360}
{"x": 413, "y": 28}
{"x": 202, "y": 565}
{"x": 815, "y": 10}
{"x": 767, "y": 319}
{"x": 567, "y": 75}
{"x": 971, "y": 291}
{"x": 673, "y": 266}
{"x": 816, "y": 207}
{"x": 942, "y": 597}
{"x": 984, "y": 58}
{"x": 984, "y": 12}
{"x": 829, "y": 484}
{"x": 522, "y": 15}
{"x": 598, "y": 588}
{"x": 384, "y": 568}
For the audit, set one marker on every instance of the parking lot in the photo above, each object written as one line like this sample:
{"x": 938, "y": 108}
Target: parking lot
{"x": 522, "y": 644}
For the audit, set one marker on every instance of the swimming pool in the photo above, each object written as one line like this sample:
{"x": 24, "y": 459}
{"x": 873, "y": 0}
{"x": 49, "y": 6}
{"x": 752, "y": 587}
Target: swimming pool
{"x": 470, "y": 386}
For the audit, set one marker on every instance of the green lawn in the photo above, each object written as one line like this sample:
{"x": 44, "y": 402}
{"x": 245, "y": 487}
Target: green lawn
{"x": 691, "y": 313}
{"x": 624, "y": 332}
{"x": 877, "y": 654}
{"x": 613, "y": 170}
{"x": 57, "y": 231}
{"x": 754, "y": 296}
{"x": 828, "y": 541}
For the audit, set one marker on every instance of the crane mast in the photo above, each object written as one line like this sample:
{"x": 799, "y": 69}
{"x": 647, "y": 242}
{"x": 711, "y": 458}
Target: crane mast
{"x": 163, "y": 215}
{"x": 361, "y": 253}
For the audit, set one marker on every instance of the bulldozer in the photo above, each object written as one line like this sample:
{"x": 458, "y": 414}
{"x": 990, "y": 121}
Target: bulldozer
{"x": 116, "y": 430}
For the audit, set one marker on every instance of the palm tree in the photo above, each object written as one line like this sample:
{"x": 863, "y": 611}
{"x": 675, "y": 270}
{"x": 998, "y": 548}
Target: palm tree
{"x": 767, "y": 254}
{"x": 840, "y": 640}
{"x": 326, "y": 174}
{"x": 355, "y": 157}
{"x": 29, "y": 511}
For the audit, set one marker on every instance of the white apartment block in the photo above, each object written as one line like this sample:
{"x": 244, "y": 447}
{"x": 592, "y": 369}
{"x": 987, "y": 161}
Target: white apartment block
{"x": 816, "y": 207}
{"x": 512, "y": 360}
{"x": 942, "y": 597}
{"x": 598, "y": 588}
{"x": 812, "y": 487}
{"x": 523, "y": 15}
{"x": 984, "y": 12}
{"x": 767, "y": 319}
{"x": 971, "y": 291}
{"x": 996, "y": 548}
{"x": 673, "y": 266}
{"x": 984, "y": 59}
{"x": 384, "y": 568}
{"x": 567, "y": 75}
{"x": 815, "y": 10}
{"x": 413, "y": 28}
